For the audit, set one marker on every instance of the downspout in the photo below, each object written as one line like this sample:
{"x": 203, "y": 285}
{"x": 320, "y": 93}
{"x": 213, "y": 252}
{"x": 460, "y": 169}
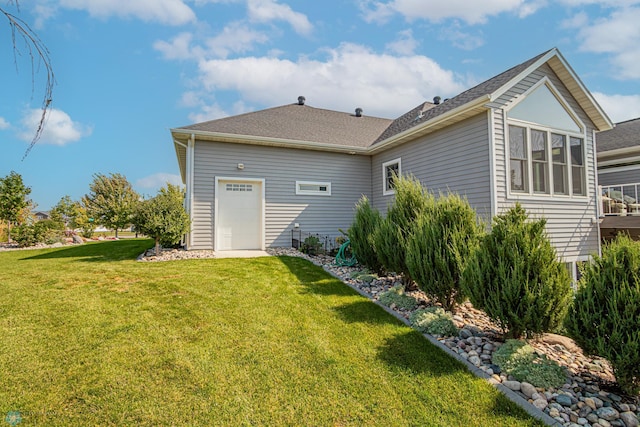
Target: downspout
{"x": 598, "y": 194}
{"x": 189, "y": 177}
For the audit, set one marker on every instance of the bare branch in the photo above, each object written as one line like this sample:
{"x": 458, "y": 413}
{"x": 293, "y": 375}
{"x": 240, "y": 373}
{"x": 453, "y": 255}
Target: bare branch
{"x": 39, "y": 55}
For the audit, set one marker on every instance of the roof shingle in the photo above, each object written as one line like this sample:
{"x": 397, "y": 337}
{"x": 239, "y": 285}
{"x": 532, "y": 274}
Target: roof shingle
{"x": 623, "y": 135}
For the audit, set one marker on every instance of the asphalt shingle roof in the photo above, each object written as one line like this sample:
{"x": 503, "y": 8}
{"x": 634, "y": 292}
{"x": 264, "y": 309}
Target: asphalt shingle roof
{"x": 301, "y": 123}
{"x": 623, "y": 135}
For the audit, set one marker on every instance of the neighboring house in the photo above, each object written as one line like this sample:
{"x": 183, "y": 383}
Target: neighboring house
{"x": 618, "y": 152}
{"x": 41, "y": 215}
{"x": 525, "y": 135}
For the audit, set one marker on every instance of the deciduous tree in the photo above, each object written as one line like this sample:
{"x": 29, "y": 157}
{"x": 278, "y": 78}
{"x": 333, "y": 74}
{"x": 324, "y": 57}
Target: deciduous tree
{"x": 163, "y": 217}
{"x": 111, "y": 201}
{"x": 13, "y": 199}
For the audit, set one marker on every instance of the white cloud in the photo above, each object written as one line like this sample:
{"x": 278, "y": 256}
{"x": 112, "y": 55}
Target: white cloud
{"x": 4, "y": 124}
{"x": 617, "y": 35}
{"x": 59, "y": 129}
{"x": 271, "y": 10}
{"x": 461, "y": 39}
{"x": 178, "y": 48}
{"x": 438, "y": 10}
{"x": 158, "y": 180}
{"x": 350, "y": 76}
{"x": 404, "y": 45}
{"x": 171, "y": 12}
{"x": 619, "y": 107}
{"x": 235, "y": 38}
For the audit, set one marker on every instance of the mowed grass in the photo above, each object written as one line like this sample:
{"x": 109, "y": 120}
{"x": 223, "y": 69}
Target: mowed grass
{"x": 92, "y": 337}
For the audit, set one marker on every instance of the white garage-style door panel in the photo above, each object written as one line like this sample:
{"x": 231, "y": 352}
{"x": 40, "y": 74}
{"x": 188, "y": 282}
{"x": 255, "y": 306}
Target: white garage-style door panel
{"x": 239, "y": 218}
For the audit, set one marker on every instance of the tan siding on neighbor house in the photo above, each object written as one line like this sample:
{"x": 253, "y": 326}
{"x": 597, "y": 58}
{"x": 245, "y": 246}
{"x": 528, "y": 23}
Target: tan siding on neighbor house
{"x": 281, "y": 168}
{"x": 455, "y": 159}
{"x": 571, "y": 221}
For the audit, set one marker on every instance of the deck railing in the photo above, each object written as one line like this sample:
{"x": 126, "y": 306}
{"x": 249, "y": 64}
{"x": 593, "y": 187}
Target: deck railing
{"x": 620, "y": 200}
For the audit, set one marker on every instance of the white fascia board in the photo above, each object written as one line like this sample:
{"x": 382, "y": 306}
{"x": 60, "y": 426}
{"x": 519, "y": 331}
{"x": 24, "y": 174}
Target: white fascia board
{"x": 617, "y": 152}
{"x": 276, "y": 142}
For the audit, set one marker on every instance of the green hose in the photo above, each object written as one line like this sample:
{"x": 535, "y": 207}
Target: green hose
{"x": 345, "y": 257}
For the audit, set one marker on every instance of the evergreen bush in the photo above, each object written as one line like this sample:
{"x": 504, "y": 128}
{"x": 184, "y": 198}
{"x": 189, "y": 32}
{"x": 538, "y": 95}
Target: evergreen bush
{"x": 438, "y": 249}
{"x": 434, "y": 321}
{"x": 365, "y": 223}
{"x": 390, "y": 239}
{"x": 604, "y": 318}
{"x": 515, "y": 277}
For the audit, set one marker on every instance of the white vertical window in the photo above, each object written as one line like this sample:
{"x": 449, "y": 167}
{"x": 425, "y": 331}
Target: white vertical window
{"x": 539, "y": 161}
{"x": 390, "y": 171}
{"x": 577, "y": 166}
{"x": 559, "y": 157}
{"x": 518, "y": 162}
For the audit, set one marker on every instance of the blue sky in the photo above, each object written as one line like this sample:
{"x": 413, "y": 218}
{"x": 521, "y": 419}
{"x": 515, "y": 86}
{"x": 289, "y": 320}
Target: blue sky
{"x": 129, "y": 70}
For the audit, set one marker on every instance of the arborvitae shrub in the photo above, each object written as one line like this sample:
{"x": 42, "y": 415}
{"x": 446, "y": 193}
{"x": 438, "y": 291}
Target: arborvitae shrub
{"x": 365, "y": 223}
{"x": 604, "y": 318}
{"x": 515, "y": 277}
{"x": 390, "y": 239}
{"x": 439, "y": 247}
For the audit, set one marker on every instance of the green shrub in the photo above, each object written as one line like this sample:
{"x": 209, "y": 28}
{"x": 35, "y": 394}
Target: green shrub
{"x": 434, "y": 321}
{"x": 46, "y": 231}
{"x": 390, "y": 239}
{"x": 515, "y": 277}
{"x": 365, "y": 223}
{"x": 438, "y": 249}
{"x": 396, "y": 296}
{"x": 519, "y": 359}
{"x": 311, "y": 246}
{"x": 604, "y": 318}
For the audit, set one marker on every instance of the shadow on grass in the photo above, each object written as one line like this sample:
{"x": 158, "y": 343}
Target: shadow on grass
{"x": 413, "y": 353}
{"x": 314, "y": 279}
{"x": 117, "y": 250}
{"x": 365, "y": 312}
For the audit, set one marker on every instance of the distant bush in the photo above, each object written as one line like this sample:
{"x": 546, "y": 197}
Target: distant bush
{"x": 46, "y": 231}
{"x": 519, "y": 359}
{"x": 442, "y": 240}
{"x": 311, "y": 246}
{"x": 390, "y": 239}
{"x": 604, "y": 318}
{"x": 434, "y": 321}
{"x": 516, "y": 278}
{"x": 396, "y": 296}
{"x": 365, "y": 223}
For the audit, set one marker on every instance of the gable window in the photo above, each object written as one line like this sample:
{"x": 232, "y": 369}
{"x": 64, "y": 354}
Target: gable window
{"x": 540, "y": 160}
{"x": 312, "y": 188}
{"x": 390, "y": 171}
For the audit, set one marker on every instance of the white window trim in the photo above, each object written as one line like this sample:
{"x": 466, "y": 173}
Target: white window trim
{"x": 302, "y": 192}
{"x": 385, "y": 191}
{"x": 531, "y": 195}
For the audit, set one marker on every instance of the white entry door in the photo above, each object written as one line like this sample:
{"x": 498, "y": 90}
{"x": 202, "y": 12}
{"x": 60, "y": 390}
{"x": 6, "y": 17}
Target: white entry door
{"x": 239, "y": 214}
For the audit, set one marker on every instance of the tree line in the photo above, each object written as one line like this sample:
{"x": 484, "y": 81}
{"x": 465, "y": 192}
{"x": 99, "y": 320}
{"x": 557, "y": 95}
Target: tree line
{"x": 111, "y": 202}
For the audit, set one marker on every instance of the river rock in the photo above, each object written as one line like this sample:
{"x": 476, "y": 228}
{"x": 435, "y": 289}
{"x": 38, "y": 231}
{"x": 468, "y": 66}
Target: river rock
{"x": 527, "y": 389}
{"x": 512, "y": 385}
{"x": 629, "y": 419}
{"x": 607, "y": 413}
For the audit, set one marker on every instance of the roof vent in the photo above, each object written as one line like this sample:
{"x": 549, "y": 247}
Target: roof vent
{"x": 436, "y": 100}
{"x": 301, "y": 100}
{"x": 358, "y": 112}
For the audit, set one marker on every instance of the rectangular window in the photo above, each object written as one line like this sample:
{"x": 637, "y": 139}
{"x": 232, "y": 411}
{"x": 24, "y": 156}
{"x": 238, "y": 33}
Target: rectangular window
{"x": 239, "y": 187}
{"x": 539, "y": 161}
{"x": 518, "y": 162}
{"x": 546, "y": 162}
{"x": 312, "y": 188}
{"x": 559, "y": 157}
{"x": 390, "y": 171}
{"x": 577, "y": 166}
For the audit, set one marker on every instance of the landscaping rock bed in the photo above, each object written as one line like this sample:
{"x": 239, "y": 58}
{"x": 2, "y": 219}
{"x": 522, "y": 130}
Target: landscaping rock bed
{"x": 589, "y": 396}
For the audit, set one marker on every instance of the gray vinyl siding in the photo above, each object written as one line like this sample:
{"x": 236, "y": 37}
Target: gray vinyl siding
{"x": 280, "y": 168}
{"x": 571, "y": 221}
{"x": 455, "y": 159}
{"x": 612, "y": 177}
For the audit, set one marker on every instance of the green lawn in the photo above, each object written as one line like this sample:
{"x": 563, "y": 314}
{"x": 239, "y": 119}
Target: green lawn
{"x": 92, "y": 337}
